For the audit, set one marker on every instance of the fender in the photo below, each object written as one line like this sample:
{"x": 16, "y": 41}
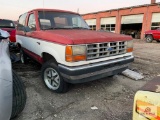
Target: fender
{"x": 57, "y": 52}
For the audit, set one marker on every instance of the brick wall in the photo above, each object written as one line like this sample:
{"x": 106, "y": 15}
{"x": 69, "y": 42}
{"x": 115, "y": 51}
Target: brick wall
{"x": 153, "y": 1}
{"x": 146, "y": 10}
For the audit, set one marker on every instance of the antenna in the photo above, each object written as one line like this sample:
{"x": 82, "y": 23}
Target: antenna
{"x": 43, "y": 10}
{"x": 43, "y": 13}
{"x": 78, "y": 10}
{"x": 43, "y": 3}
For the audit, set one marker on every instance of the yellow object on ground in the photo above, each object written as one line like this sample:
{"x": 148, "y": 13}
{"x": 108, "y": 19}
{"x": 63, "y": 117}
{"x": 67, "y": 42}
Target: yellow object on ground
{"x": 146, "y": 106}
{"x": 147, "y": 101}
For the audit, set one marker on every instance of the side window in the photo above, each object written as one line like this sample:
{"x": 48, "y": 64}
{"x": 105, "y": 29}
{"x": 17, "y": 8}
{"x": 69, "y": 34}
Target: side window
{"x": 21, "y": 22}
{"x": 32, "y": 22}
{"x": 45, "y": 23}
{"x": 77, "y": 22}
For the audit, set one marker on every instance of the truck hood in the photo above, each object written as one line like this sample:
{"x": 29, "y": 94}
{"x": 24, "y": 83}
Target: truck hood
{"x": 79, "y": 36}
{"x": 151, "y": 31}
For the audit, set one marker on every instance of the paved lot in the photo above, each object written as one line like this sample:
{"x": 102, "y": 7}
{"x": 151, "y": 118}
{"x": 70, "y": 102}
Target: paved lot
{"x": 112, "y": 96}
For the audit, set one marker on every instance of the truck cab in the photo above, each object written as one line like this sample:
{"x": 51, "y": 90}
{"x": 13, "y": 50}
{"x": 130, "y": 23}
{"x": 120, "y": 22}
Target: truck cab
{"x": 68, "y": 50}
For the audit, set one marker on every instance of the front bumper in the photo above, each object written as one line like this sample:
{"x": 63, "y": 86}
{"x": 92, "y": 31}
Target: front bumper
{"x": 94, "y": 71}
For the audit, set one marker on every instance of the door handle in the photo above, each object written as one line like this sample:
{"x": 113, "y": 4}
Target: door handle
{"x": 38, "y": 43}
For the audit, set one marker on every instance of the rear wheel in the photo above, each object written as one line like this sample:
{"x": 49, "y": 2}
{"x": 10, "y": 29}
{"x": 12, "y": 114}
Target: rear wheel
{"x": 19, "y": 96}
{"x": 52, "y": 77}
{"x": 149, "y": 38}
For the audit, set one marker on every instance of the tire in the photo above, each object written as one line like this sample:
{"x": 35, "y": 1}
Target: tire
{"x": 19, "y": 96}
{"x": 158, "y": 41}
{"x": 52, "y": 77}
{"x": 149, "y": 38}
{"x": 111, "y": 76}
{"x": 23, "y": 57}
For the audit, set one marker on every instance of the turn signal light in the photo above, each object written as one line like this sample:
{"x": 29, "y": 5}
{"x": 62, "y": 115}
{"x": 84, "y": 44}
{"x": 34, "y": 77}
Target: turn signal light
{"x": 69, "y": 50}
{"x": 13, "y": 36}
{"x": 75, "y": 58}
{"x": 129, "y": 49}
{"x": 70, "y": 57}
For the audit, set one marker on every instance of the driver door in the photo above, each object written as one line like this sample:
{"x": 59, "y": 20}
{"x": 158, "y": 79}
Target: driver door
{"x": 31, "y": 43}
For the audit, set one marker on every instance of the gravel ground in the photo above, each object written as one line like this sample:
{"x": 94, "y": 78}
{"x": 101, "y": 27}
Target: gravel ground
{"x": 112, "y": 96}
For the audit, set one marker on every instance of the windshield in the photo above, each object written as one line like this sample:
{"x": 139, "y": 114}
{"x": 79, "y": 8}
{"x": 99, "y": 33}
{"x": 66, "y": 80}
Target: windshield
{"x": 6, "y": 24}
{"x": 59, "y": 20}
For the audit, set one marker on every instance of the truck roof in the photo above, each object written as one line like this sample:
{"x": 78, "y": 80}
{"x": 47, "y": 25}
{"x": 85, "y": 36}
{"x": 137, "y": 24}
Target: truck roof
{"x": 5, "y": 19}
{"x": 53, "y": 10}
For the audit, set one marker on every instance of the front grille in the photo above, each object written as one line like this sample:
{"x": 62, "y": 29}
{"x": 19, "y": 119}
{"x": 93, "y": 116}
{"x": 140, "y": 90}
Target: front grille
{"x": 100, "y": 50}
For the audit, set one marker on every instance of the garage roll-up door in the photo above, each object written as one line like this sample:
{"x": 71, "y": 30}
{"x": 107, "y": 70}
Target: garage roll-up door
{"x": 91, "y": 22}
{"x": 131, "y": 19}
{"x": 155, "y": 17}
{"x": 111, "y": 20}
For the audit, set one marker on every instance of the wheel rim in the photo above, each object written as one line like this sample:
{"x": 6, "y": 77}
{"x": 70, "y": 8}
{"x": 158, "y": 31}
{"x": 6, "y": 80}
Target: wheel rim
{"x": 51, "y": 78}
{"x": 148, "y": 39}
{"x": 22, "y": 58}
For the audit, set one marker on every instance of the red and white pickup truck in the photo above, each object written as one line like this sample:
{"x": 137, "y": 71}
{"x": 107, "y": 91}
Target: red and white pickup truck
{"x": 68, "y": 51}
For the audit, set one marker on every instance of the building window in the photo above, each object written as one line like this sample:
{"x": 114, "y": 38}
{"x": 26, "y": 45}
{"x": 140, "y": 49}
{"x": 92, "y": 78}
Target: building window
{"x": 155, "y": 25}
{"x": 91, "y": 23}
{"x": 92, "y": 27}
{"x": 108, "y": 27}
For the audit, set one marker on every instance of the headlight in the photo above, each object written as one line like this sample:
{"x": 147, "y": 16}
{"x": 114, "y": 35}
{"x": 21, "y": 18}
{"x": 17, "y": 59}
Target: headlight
{"x": 130, "y": 46}
{"x": 75, "y": 53}
{"x": 79, "y": 50}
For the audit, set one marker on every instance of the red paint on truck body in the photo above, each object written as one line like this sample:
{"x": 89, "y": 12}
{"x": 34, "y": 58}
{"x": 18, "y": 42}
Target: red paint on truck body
{"x": 71, "y": 36}
{"x": 154, "y": 33}
{"x": 34, "y": 56}
{"x": 12, "y": 32}
{"x": 74, "y": 37}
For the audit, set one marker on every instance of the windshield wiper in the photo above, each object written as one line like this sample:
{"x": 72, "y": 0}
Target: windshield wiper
{"x": 80, "y": 28}
{"x": 53, "y": 28}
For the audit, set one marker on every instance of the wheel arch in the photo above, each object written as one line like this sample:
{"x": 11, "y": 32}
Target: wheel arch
{"x": 46, "y": 57}
{"x": 18, "y": 45}
{"x": 149, "y": 35}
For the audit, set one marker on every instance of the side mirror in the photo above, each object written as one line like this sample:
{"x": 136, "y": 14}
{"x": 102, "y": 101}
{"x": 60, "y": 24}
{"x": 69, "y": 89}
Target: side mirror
{"x": 23, "y": 28}
{"x": 27, "y": 29}
{"x": 4, "y": 34}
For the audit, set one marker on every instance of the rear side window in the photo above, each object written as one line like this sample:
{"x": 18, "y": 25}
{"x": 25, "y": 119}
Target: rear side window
{"x": 6, "y": 24}
{"x": 21, "y": 22}
{"x": 32, "y": 22}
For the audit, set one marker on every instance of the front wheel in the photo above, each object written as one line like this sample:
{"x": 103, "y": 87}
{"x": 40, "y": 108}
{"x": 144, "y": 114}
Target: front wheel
{"x": 52, "y": 77}
{"x": 149, "y": 38}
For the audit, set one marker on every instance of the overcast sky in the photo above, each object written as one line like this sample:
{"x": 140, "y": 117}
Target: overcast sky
{"x": 11, "y": 9}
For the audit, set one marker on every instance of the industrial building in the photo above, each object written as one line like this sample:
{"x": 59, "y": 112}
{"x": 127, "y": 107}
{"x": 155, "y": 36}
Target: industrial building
{"x": 134, "y": 20}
